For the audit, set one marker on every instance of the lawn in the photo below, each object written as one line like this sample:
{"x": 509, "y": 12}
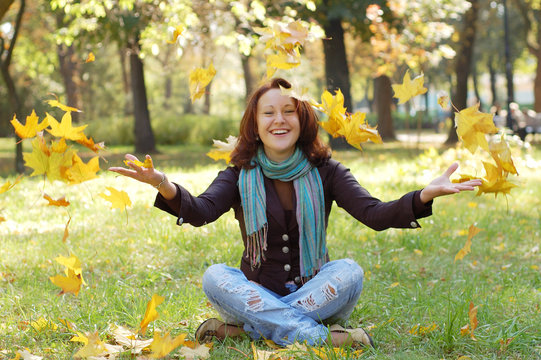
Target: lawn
{"x": 415, "y": 298}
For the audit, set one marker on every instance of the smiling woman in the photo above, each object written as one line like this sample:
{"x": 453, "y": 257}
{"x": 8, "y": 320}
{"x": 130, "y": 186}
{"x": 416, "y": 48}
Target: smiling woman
{"x": 281, "y": 186}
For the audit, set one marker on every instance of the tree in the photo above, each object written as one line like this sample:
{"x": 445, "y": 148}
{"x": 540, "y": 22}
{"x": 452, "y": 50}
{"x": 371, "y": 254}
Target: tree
{"x": 463, "y": 64}
{"x": 6, "y": 53}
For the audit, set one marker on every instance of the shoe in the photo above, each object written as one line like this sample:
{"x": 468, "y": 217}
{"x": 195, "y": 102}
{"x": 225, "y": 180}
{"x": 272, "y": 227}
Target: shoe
{"x": 207, "y": 330}
{"x": 358, "y": 335}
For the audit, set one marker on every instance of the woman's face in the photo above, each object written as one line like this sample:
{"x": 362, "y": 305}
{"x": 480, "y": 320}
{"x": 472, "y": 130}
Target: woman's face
{"x": 278, "y": 124}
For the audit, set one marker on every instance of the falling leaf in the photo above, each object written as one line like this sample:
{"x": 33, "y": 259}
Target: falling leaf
{"x": 223, "y": 149}
{"x": 119, "y": 199}
{"x": 71, "y": 283}
{"x": 72, "y": 263}
{"x": 44, "y": 161}
{"x": 472, "y": 126}
{"x": 150, "y": 314}
{"x": 469, "y": 328}
{"x": 199, "y": 79}
{"x": 58, "y": 104}
{"x": 473, "y": 230}
{"x": 162, "y": 346}
{"x": 64, "y": 128}
{"x": 8, "y": 185}
{"x": 502, "y": 155}
{"x": 333, "y": 107}
{"x": 60, "y": 202}
{"x": 495, "y": 181}
{"x": 298, "y": 92}
{"x": 357, "y": 131}
{"x": 409, "y": 88}
{"x": 80, "y": 172}
{"x": 31, "y": 127}
{"x": 147, "y": 164}
{"x": 128, "y": 338}
{"x": 175, "y": 32}
{"x": 443, "y": 101}
{"x": 66, "y": 233}
{"x": 90, "y": 144}
{"x": 91, "y": 57}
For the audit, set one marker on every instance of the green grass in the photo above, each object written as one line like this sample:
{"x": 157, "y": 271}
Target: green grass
{"x": 126, "y": 260}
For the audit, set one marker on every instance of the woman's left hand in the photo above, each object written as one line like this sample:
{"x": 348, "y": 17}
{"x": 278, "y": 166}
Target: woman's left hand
{"x": 442, "y": 185}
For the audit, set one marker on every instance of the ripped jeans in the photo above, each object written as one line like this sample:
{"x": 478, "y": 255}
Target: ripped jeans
{"x": 328, "y": 297}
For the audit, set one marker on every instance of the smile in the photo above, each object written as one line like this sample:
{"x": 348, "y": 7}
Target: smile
{"x": 279, "y": 132}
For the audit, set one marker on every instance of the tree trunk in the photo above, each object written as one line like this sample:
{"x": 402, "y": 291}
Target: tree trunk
{"x": 336, "y": 68}
{"x": 168, "y": 91}
{"x": 69, "y": 71}
{"x": 248, "y": 77}
{"x": 4, "y": 6}
{"x": 206, "y": 104}
{"x": 383, "y": 96}
{"x": 492, "y": 75}
{"x": 463, "y": 64}
{"x": 144, "y": 137}
{"x": 14, "y": 99}
{"x": 128, "y": 106}
{"x": 537, "y": 85}
{"x": 476, "y": 86}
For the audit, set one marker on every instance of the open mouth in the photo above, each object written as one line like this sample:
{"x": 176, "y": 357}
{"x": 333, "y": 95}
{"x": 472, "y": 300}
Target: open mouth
{"x": 279, "y": 132}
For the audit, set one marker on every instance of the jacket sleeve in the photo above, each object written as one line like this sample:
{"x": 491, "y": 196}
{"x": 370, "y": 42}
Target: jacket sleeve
{"x": 374, "y": 213}
{"x": 207, "y": 207}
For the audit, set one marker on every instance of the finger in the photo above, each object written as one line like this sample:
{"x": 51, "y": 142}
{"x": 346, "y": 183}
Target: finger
{"x": 131, "y": 157}
{"x": 151, "y": 162}
{"x": 451, "y": 169}
{"x": 123, "y": 171}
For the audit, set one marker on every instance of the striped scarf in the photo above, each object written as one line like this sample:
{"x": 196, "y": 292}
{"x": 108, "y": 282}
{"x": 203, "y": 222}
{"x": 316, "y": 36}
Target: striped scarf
{"x": 309, "y": 213}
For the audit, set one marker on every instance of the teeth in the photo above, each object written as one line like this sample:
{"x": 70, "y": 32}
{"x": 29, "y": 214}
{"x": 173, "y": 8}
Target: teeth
{"x": 279, "y": 132}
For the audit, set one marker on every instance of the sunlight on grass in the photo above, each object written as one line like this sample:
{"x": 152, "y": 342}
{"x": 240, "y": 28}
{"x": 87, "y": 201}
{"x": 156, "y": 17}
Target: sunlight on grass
{"x": 411, "y": 279}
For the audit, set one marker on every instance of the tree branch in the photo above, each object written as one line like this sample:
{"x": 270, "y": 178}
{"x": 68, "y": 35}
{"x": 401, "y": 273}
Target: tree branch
{"x": 18, "y": 22}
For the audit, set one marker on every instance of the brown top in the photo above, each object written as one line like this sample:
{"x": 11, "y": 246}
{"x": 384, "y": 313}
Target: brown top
{"x": 282, "y": 254}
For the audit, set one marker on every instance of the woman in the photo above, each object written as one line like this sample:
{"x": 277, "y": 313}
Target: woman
{"x": 281, "y": 188}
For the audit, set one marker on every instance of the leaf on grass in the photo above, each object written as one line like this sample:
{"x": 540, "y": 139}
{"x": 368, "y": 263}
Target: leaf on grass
{"x": 423, "y": 330}
{"x": 263, "y": 354}
{"x": 150, "y": 314}
{"x": 199, "y": 79}
{"x": 473, "y": 230}
{"x": 60, "y": 202}
{"x": 199, "y": 351}
{"x": 118, "y": 199}
{"x": 469, "y": 328}
{"x": 31, "y": 127}
{"x": 64, "y": 128}
{"x": 222, "y": 150}
{"x": 43, "y": 324}
{"x": 472, "y": 127}
{"x": 96, "y": 347}
{"x": 162, "y": 346}
{"x": 26, "y": 355}
{"x": 129, "y": 339}
{"x": 409, "y": 88}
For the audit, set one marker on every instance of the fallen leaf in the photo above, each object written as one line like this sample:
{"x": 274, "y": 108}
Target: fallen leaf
{"x": 129, "y": 339}
{"x": 161, "y": 346}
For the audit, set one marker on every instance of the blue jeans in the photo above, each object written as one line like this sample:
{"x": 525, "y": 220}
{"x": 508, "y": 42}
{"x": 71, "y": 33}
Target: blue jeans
{"x": 328, "y": 297}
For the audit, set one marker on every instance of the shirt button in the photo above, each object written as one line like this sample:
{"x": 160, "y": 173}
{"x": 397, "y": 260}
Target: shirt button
{"x": 285, "y": 237}
{"x": 285, "y": 249}
{"x": 180, "y": 221}
{"x": 413, "y": 224}
{"x": 287, "y": 267}
{"x": 297, "y": 279}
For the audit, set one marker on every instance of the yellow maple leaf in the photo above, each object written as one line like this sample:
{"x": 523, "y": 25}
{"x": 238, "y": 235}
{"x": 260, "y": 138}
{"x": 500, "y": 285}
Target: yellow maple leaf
{"x": 409, "y": 88}
{"x": 298, "y": 92}
{"x": 223, "y": 149}
{"x": 80, "y": 337}
{"x": 94, "y": 347}
{"x": 495, "y": 181}
{"x": 470, "y": 328}
{"x": 66, "y": 234}
{"x": 472, "y": 125}
{"x": 174, "y": 33}
{"x": 80, "y": 172}
{"x": 90, "y": 144}
{"x": 263, "y": 354}
{"x": 43, "y": 324}
{"x": 199, "y": 351}
{"x": 52, "y": 202}
{"x": 8, "y": 185}
{"x": 199, "y": 79}
{"x": 64, "y": 128}
{"x": 31, "y": 127}
{"x": 119, "y": 199}
{"x": 58, "y": 104}
{"x": 147, "y": 164}
{"x": 91, "y": 57}
{"x": 163, "y": 345}
{"x": 72, "y": 263}
{"x": 356, "y": 130}
{"x": 71, "y": 283}
{"x": 473, "y": 230}
{"x": 150, "y": 314}
{"x": 443, "y": 101}
{"x": 333, "y": 107}
{"x": 44, "y": 161}
{"x": 129, "y": 339}
{"x": 502, "y": 155}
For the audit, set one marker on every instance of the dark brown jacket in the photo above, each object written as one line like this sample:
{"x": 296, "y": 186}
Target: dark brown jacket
{"x": 282, "y": 257}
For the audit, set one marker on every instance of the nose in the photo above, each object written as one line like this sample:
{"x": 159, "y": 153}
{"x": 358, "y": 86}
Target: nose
{"x": 279, "y": 117}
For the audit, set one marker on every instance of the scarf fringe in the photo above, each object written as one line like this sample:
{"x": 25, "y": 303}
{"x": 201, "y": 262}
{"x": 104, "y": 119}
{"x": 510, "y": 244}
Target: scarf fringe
{"x": 256, "y": 244}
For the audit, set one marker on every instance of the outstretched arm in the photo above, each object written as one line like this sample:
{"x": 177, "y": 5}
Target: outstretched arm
{"x": 442, "y": 185}
{"x": 148, "y": 176}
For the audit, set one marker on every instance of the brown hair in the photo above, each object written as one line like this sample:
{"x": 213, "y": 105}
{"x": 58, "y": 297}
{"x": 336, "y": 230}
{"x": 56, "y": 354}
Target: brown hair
{"x": 313, "y": 148}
